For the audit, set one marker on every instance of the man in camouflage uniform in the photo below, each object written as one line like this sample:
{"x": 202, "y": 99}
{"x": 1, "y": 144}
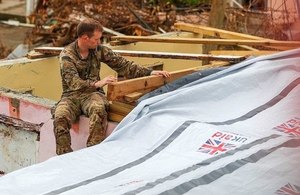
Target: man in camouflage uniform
{"x": 82, "y": 86}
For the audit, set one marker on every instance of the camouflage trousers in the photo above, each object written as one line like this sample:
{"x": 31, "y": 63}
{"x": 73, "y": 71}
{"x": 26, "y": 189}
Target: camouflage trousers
{"x": 94, "y": 105}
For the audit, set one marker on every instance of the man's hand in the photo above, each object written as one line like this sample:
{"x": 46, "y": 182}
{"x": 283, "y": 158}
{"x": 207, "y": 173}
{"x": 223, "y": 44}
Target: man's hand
{"x": 105, "y": 81}
{"x": 160, "y": 72}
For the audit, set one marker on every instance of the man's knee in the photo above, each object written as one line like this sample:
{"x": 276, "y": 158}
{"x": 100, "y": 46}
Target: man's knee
{"x": 99, "y": 110}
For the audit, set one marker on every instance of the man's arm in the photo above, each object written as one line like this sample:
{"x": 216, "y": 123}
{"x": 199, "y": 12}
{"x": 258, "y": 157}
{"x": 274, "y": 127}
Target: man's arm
{"x": 125, "y": 67}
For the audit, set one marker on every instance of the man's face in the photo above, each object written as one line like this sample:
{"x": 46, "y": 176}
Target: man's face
{"x": 94, "y": 41}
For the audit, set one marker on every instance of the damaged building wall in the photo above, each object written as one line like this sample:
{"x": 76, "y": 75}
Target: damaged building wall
{"x": 19, "y": 143}
{"x": 41, "y": 77}
{"x": 36, "y": 144}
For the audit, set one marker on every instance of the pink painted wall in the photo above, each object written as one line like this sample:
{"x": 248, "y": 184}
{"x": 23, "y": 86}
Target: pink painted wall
{"x": 34, "y": 110}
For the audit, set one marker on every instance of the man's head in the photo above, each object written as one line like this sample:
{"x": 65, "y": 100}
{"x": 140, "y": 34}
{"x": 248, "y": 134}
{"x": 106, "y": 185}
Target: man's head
{"x": 89, "y": 31}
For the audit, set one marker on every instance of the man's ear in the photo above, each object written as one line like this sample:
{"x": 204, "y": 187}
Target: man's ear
{"x": 85, "y": 36}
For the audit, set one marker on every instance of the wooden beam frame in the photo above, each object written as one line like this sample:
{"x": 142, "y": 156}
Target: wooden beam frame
{"x": 150, "y": 54}
{"x": 225, "y": 34}
{"x": 185, "y": 56}
{"x": 285, "y": 44}
{"x": 215, "y": 32}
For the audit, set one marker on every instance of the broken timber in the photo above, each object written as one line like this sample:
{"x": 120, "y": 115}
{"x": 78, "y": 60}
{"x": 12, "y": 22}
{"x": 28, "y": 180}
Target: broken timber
{"x": 234, "y": 59}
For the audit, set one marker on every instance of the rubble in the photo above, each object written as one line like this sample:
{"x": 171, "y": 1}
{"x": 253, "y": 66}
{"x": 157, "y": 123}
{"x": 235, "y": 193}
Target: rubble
{"x": 4, "y": 51}
{"x": 127, "y": 17}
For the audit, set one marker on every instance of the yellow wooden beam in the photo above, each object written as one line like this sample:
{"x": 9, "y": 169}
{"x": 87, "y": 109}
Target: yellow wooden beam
{"x": 215, "y": 32}
{"x": 224, "y": 34}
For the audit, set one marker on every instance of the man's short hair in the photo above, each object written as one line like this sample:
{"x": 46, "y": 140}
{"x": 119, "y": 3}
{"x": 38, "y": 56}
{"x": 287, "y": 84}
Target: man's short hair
{"x": 88, "y": 27}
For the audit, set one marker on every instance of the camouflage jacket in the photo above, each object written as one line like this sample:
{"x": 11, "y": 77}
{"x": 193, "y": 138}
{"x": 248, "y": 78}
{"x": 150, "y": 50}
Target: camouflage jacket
{"x": 78, "y": 73}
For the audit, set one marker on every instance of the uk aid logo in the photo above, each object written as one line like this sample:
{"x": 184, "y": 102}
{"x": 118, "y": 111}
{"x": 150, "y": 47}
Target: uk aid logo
{"x": 221, "y": 142}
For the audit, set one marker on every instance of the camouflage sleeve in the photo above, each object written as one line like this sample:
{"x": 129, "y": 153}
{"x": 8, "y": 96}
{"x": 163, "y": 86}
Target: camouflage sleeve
{"x": 121, "y": 65}
{"x": 70, "y": 74}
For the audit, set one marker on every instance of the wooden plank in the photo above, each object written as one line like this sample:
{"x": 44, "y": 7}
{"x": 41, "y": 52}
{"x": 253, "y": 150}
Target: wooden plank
{"x": 248, "y": 48}
{"x": 115, "y": 117}
{"x": 117, "y": 90}
{"x": 215, "y": 32}
{"x": 186, "y": 56}
{"x": 285, "y": 44}
{"x": 36, "y": 55}
{"x": 150, "y": 54}
{"x": 214, "y": 64}
{"x": 49, "y": 50}
{"x": 242, "y": 52}
{"x": 118, "y": 110}
{"x": 132, "y": 97}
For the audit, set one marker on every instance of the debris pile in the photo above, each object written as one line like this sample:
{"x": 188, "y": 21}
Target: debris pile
{"x": 4, "y": 51}
{"x": 254, "y": 23}
{"x": 56, "y": 22}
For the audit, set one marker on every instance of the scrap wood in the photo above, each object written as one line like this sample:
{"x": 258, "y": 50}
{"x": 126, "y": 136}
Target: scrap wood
{"x": 49, "y": 50}
{"x": 112, "y": 14}
{"x": 136, "y": 29}
{"x": 4, "y": 51}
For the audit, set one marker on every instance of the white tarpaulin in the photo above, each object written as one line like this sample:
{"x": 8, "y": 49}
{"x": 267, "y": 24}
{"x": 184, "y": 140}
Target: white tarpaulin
{"x": 233, "y": 132}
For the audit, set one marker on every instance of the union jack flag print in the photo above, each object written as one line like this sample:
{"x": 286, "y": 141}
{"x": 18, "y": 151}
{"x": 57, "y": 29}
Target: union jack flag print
{"x": 214, "y": 147}
{"x": 288, "y": 189}
{"x": 291, "y": 127}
